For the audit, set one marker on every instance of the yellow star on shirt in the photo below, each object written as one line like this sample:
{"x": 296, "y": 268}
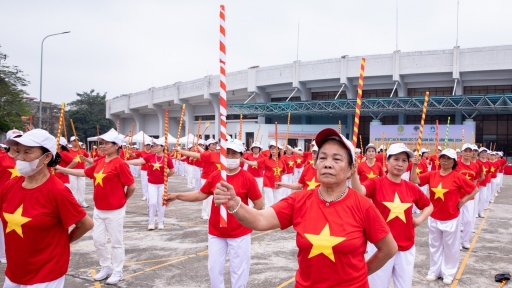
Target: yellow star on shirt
{"x": 15, "y": 220}
{"x": 418, "y": 170}
{"x": 291, "y": 163}
{"x": 467, "y": 177}
{"x": 298, "y": 161}
{"x": 277, "y": 171}
{"x": 310, "y": 161}
{"x": 14, "y": 172}
{"x": 218, "y": 166}
{"x": 397, "y": 208}
{"x": 485, "y": 170}
{"x": 77, "y": 158}
{"x": 255, "y": 167}
{"x": 437, "y": 162}
{"x": 312, "y": 184}
{"x": 371, "y": 175}
{"x": 323, "y": 243}
{"x": 99, "y": 178}
{"x": 439, "y": 191}
{"x": 156, "y": 166}
{"x": 492, "y": 169}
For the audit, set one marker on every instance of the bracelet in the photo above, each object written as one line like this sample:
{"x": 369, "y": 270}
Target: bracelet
{"x": 236, "y": 209}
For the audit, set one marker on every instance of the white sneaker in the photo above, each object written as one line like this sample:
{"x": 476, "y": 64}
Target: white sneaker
{"x": 143, "y": 199}
{"x": 447, "y": 281}
{"x": 481, "y": 215}
{"x": 160, "y": 226}
{"x": 466, "y": 245}
{"x": 3, "y": 261}
{"x": 431, "y": 278}
{"x": 151, "y": 226}
{"x": 115, "y": 278}
{"x": 104, "y": 273}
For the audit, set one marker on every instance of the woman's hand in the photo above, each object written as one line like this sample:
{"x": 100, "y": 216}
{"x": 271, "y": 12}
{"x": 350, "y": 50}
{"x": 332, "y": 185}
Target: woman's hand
{"x": 171, "y": 197}
{"x": 225, "y": 194}
{"x": 416, "y": 160}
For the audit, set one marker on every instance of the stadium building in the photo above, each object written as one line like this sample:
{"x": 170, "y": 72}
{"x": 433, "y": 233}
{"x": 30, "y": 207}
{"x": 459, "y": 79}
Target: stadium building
{"x": 471, "y": 86}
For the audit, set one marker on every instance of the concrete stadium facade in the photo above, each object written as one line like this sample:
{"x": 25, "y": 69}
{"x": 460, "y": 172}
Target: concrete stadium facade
{"x": 458, "y": 71}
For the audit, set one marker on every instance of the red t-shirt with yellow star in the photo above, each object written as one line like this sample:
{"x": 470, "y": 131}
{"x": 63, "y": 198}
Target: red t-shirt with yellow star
{"x": 156, "y": 168}
{"x": 471, "y": 171}
{"x": 308, "y": 178}
{"x": 246, "y": 188}
{"x": 66, "y": 159}
{"x": 331, "y": 239}
{"x": 434, "y": 160}
{"x": 394, "y": 202}
{"x": 142, "y": 154}
{"x": 495, "y": 166}
{"x": 211, "y": 163}
{"x": 110, "y": 179}
{"x": 36, "y": 223}
{"x": 486, "y": 168}
{"x": 290, "y": 163}
{"x": 8, "y": 169}
{"x": 379, "y": 158}
{"x": 446, "y": 192}
{"x": 299, "y": 161}
{"x": 366, "y": 171}
{"x": 307, "y": 158}
{"x": 256, "y": 171}
{"x": 271, "y": 172}
{"x": 75, "y": 154}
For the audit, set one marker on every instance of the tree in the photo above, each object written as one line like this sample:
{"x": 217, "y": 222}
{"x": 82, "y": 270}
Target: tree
{"x": 88, "y": 112}
{"x": 12, "y": 104}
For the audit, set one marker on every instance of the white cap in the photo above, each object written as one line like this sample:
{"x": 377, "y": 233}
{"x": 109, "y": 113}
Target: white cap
{"x": 110, "y": 136}
{"x": 35, "y": 138}
{"x": 236, "y": 145}
{"x": 190, "y": 145}
{"x": 465, "y": 146}
{"x": 200, "y": 142}
{"x": 217, "y": 148}
{"x": 328, "y": 134}
{"x": 371, "y": 145}
{"x": 397, "y": 148}
{"x": 63, "y": 141}
{"x": 72, "y": 138}
{"x": 315, "y": 148}
{"x": 313, "y": 143}
{"x": 210, "y": 141}
{"x": 358, "y": 150}
{"x": 80, "y": 143}
{"x": 483, "y": 149}
{"x": 3, "y": 145}
{"x": 159, "y": 141}
{"x": 457, "y": 150}
{"x": 298, "y": 148}
{"x": 423, "y": 150}
{"x": 474, "y": 147}
{"x": 12, "y": 133}
{"x": 272, "y": 143}
{"x": 257, "y": 145}
{"x": 439, "y": 148}
{"x": 134, "y": 146}
{"x": 94, "y": 146}
{"x": 449, "y": 152}
{"x": 148, "y": 141}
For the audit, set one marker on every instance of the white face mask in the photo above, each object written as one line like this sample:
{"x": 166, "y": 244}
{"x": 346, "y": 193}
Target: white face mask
{"x": 28, "y": 168}
{"x": 232, "y": 163}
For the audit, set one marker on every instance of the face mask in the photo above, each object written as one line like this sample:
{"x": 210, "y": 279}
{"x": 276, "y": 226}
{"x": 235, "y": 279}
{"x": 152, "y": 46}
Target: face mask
{"x": 28, "y": 168}
{"x": 232, "y": 163}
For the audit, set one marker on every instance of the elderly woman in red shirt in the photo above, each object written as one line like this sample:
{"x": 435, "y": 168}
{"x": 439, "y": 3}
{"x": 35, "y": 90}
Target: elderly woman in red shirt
{"x": 333, "y": 222}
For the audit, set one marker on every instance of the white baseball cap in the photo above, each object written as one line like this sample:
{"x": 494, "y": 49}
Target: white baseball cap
{"x": 159, "y": 141}
{"x": 314, "y": 149}
{"x": 210, "y": 141}
{"x": 466, "y": 145}
{"x": 272, "y": 143}
{"x": 474, "y": 147}
{"x": 397, "y": 148}
{"x": 483, "y": 149}
{"x": 457, "y": 150}
{"x": 358, "y": 150}
{"x": 328, "y": 134}
{"x": 94, "y": 146}
{"x": 236, "y": 145}
{"x": 190, "y": 145}
{"x": 110, "y": 136}
{"x": 35, "y": 138}
{"x": 63, "y": 141}
{"x": 449, "y": 152}
{"x": 371, "y": 145}
{"x": 257, "y": 145}
{"x": 423, "y": 150}
{"x": 298, "y": 148}
{"x": 200, "y": 142}
{"x": 3, "y": 145}
{"x": 439, "y": 148}
{"x": 72, "y": 138}
{"x": 13, "y": 133}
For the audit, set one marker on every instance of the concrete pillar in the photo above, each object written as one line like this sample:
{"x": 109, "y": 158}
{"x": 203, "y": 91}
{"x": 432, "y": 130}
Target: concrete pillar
{"x": 458, "y": 118}
{"x": 401, "y": 119}
{"x": 350, "y": 127}
{"x": 159, "y": 111}
{"x": 349, "y": 87}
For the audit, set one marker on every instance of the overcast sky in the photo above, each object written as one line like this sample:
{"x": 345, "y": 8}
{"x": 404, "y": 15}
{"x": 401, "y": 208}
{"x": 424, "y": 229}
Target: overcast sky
{"x": 122, "y": 47}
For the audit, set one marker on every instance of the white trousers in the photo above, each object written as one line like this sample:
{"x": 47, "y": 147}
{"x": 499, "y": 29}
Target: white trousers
{"x": 494, "y": 187}
{"x": 444, "y": 244}
{"x": 500, "y": 181}
{"x": 77, "y": 186}
{"x": 467, "y": 220}
{"x": 482, "y": 198}
{"x": 400, "y": 267}
{"x": 135, "y": 170}
{"x": 197, "y": 177}
{"x": 272, "y": 196}
{"x": 207, "y": 204}
{"x": 239, "y": 260}
{"x": 144, "y": 183}
{"x": 296, "y": 174}
{"x": 475, "y": 206}
{"x": 155, "y": 194}
{"x": 59, "y": 283}
{"x": 109, "y": 222}
{"x": 2, "y": 243}
{"x": 287, "y": 178}
{"x": 259, "y": 180}
{"x": 190, "y": 175}
{"x": 489, "y": 196}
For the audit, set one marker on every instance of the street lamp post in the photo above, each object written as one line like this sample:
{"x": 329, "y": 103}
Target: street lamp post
{"x": 41, "y": 78}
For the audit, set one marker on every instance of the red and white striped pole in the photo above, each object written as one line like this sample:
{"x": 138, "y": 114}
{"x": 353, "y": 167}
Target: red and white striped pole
{"x": 223, "y": 109}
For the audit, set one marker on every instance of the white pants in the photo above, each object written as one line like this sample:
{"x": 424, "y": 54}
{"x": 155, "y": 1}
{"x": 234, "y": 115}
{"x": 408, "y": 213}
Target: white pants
{"x": 77, "y": 186}
{"x": 272, "y": 196}
{"x": 444, "y": 244}
{"x": 489, "y": 195}
{"x": 197, "y": 177}
{"x": 239, "y": 260}
{"x": 259, "y": 180}
{"x": 111, "y": 222}
{"x": 144, "y": 183}
{"x": 287, "y": 178}
{"x": 475, "y": 206}
{"x": 467, "y": 220}
{"x": 500, "y": 181}
{"x": 400, "y": 267}
{"x": 59, "y": 283}
{"x": 135, "y": 170}
{"x": 494, "y": 187}
{"x": 296, "y": 174}
{"x": 190, "y": 176}
{"x": 207, "y": 204}
{"x": 482, "y": 199}
{"x": 155, "y": 194}
{"x": 2, "y": 242}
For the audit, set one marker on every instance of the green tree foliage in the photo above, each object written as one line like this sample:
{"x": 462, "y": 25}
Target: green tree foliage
{"x": 88, "y": 112}
{"x": 12, "y": 104}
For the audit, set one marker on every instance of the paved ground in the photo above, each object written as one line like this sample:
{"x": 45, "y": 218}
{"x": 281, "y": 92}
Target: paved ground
{"x": 177, "y": 255}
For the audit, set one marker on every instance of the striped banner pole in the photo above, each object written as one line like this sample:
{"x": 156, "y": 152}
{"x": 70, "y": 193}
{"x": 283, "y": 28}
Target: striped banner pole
{"x": 240, "y": 132}
{"x": 287, "y": 131}
{"x": 166, "y": 154}
{"x": 462, "y": 136}
{"x": 223, "y": 109}
{"x": 446, "y": 136}
{"x": 358, "y": 103}
{"x": 423, "y": 114}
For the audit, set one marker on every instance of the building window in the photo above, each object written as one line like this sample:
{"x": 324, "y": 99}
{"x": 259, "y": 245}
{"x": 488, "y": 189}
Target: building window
{"x": 329, "y": 95}
{"x": 205, "y": 118}
{"x": 283, "y": 99}
{"x": 429, "y": 119}
{"x": 237, "y": 117}
{"x": 433, "y": 91}
{"x": 379, "y": 93}
{"x": 495, "y": 89}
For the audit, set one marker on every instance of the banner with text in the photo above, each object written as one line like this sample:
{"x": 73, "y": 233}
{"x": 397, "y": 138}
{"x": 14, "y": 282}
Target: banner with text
{"x": 408, "y": 134}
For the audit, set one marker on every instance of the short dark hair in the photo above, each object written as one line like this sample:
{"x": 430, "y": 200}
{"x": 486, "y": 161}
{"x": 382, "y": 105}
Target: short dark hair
{"x": 55, "y": 159}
